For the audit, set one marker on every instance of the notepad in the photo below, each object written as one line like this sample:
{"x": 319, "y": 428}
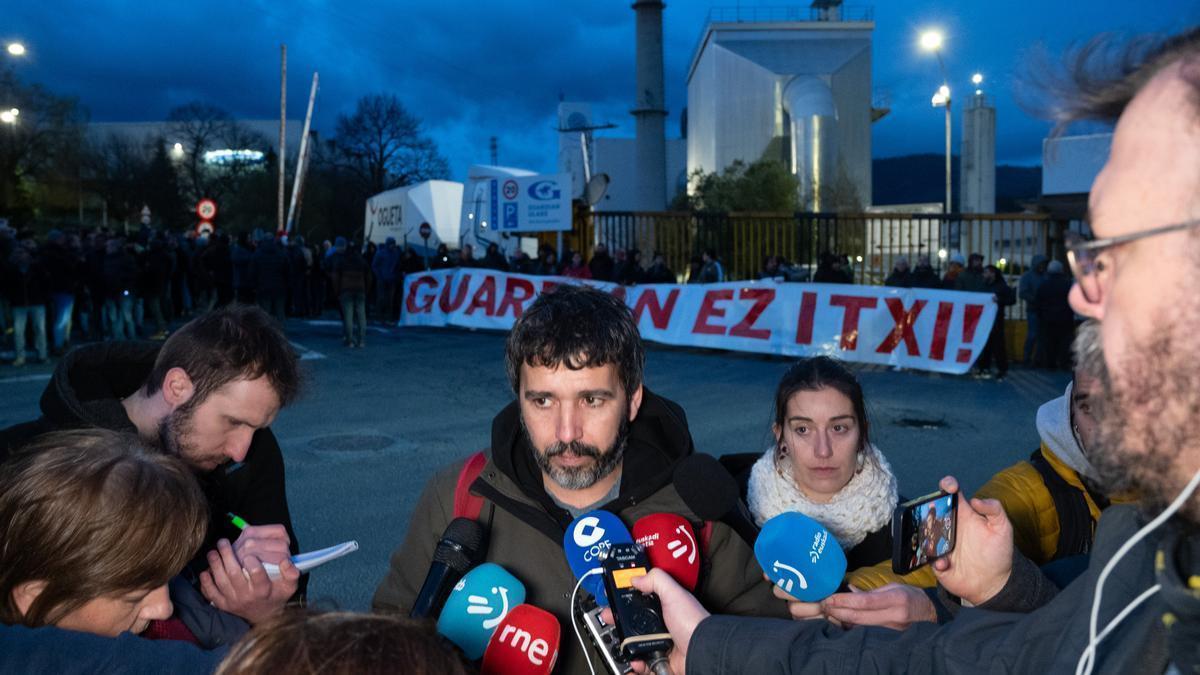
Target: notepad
{"x": 307, "y": 561}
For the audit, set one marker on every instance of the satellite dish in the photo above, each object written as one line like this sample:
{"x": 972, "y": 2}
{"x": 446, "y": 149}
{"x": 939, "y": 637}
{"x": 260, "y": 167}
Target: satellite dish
{"x": 595, "y": 189}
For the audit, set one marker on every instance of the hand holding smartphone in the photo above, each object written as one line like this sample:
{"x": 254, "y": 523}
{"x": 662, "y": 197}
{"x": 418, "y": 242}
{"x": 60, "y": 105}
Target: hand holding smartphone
{"x": 923, "y": 530}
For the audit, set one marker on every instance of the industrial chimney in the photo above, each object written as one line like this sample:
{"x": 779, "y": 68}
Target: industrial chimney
{"x": 649, "y": 110}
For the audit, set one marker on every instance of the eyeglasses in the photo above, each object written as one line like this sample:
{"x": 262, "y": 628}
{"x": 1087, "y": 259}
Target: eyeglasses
{"x": 1084, "y": 255}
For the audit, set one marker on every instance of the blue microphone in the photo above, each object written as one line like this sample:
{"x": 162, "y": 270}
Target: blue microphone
{"x": 800, "y": 556}
{"x": 587, "y": 537}
{"x": 478, "y": 603}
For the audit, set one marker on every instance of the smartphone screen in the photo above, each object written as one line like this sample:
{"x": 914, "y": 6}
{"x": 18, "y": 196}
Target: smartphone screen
{"x": 923, "y": 530}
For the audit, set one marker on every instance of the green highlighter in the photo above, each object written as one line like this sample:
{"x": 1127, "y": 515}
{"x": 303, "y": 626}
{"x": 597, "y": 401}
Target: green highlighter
{"x": 237, "y": 521}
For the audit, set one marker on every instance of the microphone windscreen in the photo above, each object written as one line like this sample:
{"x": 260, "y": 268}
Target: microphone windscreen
{"x": 706, "y": 487}
{"x": 469, "y": 536}
{"x": 671, "y": 546}
{"x": 586, "y": 538}
{"x": 478, "y": 603}
{"x": 800, "y": 556}
{"x": 525, "y": 643}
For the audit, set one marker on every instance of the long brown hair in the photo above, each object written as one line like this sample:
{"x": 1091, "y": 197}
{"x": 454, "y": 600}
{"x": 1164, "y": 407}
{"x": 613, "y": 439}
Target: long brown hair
{"x": 92, "y": 513}
{"x": 303, "y": 642}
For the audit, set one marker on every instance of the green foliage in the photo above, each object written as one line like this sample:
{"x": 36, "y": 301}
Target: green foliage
{"x": 765, "y": 185}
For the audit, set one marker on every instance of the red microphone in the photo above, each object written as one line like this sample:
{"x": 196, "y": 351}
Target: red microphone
{"x": 671, "y": 546}
{"x": 525, "y": 643}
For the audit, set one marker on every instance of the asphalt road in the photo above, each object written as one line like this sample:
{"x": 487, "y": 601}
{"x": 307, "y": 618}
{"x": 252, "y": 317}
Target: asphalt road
{"x": 375, "y": 423}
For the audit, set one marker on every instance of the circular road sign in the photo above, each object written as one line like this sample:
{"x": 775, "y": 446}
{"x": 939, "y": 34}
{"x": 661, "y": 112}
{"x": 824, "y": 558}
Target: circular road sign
{"x": 425, "y": 230}
{"x": 510, "y": 189}
{"x": 206, "y": 209}
{"x": 203, "y": 228}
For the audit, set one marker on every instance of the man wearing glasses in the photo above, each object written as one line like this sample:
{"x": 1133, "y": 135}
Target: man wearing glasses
{"x": 1137, "y": 608}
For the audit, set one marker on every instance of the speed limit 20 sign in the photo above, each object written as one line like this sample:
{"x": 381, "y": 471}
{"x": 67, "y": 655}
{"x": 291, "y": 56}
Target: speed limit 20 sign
{"x": 206, "y": 209}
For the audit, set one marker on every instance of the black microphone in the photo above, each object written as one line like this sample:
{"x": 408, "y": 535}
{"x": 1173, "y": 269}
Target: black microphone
{"x": 711, "y": 493}
{"x": 461, "y": 547}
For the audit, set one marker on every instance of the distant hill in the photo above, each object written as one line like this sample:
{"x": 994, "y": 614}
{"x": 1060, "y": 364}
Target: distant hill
{"x": 913, "y": 179}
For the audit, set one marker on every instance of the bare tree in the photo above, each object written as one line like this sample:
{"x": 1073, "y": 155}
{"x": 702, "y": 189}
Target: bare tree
{"x": 202, "y": 128}
{"x": 383, "y": 146}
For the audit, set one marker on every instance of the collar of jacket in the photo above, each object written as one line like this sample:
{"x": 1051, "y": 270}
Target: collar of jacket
{"x": 1177, "y": 569}
{"x": 658, "y": 439}
{"x": 90, "y": 381}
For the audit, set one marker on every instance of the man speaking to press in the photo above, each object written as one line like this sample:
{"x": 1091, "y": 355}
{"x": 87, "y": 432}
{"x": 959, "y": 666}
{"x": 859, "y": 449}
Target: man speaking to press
{"x": 1137, "y": 607}
{"x": 584, "y": 434}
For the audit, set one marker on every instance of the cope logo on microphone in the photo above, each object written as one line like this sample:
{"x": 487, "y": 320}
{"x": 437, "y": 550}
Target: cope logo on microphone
{"x": 588, "y": 532}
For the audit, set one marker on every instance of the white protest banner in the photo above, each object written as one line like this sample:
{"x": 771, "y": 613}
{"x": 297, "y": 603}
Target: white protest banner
{"x": 943, "y": 331}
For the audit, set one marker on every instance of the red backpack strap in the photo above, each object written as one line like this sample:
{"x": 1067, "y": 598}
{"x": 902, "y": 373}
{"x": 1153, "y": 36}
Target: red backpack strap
{"x": 706, "y": 538}
{"x": 467, "y": 505}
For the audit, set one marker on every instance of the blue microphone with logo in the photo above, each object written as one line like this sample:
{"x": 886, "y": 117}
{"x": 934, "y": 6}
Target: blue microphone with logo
{"x": 800, "y": 556}
{"x": 478, "y": 603}
{"x": 587, "y": 537}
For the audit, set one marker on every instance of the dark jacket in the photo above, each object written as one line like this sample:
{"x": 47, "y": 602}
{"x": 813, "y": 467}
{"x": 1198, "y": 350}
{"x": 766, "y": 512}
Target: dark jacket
{"x": 350, "y": 274}
{"x": 64, "y": 266}
{"x": 659, "y": 274}
{"x": 923, "y": 276}
{"x": 899, "y": 279}
{"x": 269, "y": 268}
{"x": 1005, "y": 295}
{"x": 386, "y": 263}
{"x": 526, "y": 527}
{"x": 601, "y": 265}
{"x": 86, "y": 391}
{"x": 1048, "y": 640}
{"x": 120, "y": 273}
{"x": 970, "y": 280}
{"x": 25, "y": 287}
{"x": 241, "y": 259}
{"x": 1052, "y": 303}
{"x": 67, "y": 652}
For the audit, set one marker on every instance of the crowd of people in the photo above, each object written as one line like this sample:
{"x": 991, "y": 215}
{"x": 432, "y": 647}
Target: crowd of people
{"x": 118, "y": 553}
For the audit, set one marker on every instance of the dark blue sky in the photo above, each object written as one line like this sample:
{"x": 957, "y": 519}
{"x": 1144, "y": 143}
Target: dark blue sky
{"x": 478, "y": 68}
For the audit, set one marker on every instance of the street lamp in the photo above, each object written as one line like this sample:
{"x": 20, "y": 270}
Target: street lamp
{"x": 9, "y": 116}
{"x": 16, "y": 49}
{"x": 932, "y": 41}
{"x": 977, "y": 79}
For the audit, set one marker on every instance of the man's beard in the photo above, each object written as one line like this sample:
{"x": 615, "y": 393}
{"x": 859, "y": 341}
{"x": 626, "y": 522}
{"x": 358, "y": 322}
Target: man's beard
{"x": 1149, "y": 415}
{"x": 586, "y": 475}
{"x": 173, "y": 430}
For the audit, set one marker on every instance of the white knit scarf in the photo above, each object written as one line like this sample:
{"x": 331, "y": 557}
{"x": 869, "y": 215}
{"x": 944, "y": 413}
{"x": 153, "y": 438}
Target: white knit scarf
{"x": 862, "y": 507}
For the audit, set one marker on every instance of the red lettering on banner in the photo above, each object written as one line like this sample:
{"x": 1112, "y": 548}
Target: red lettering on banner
{"x": 708, "y": 309}
{"x": 410, "y": 302}
{"x": 971, "y": 315}
{"x": 618, "y": 292}
{"x": 804, "y": 326}
{"x": 904, "y": 327}
{"x": 548, "y": 286}
{"x": 745, "y": 328}
{"x": 484, "y": 298}
{"x": 941, "y": 328}
{"x": 512, "y": 298}
{"x": 660, "y": 315}
{"x": 854, "y": 305}
{"x": 444, "y": 301}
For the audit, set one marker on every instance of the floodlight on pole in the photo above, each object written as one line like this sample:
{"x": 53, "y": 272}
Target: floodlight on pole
{"x": 8, "y": 117}
{"x": 16, "y": 49}
{"x": 931, "y": 40}
{"x": 977, "y": 79}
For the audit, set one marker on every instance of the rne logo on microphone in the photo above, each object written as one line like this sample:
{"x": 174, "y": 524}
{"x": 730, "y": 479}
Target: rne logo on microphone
{"x": 588, "y": 532}
{"x": 522, "y": 640}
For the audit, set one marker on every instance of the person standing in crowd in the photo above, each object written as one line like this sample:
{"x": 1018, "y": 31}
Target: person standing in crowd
{"x": 695, "y": 265}
{"x": 318, "y": 282}
{"x": 493, "y": 259}
{"x": 207, "y": 395}
{"x": 832, "y": 270}
{"x": 583, "y": 433}
{"x": 350, "y": 274}
{"x": 156, "y": 274}
{"x": 120, "y": 280}
{"x": 64, "y": 267}
{"x": 601, "y": 263}
{"x": 299, "y": 264}
{"x": 270, "y": 270}
{"x": 1135, "y": 609}
{"x": 241, "y": 257}
{"x": 659, "y": 273}
{"x": 824, "y": 465}
{"x": 996, "y": 348}
{"x": 1056, "y": 319}
{"x": 219, "y": 264}
{"x": 953, "y": 270}
{"x": 770, "y": 268}
{"x": 548, "y": 263}
{"x": 27, "y": 287}
{"x": 712, "y": 272}
{"x": 900, "y": 277}
{"x": 1027, "y": 290}
{"x": 972, "y": 278}
{"x": 576, "y": 269}
{"x": 386, "y": 268}
{"x": 923, "y": 275}
{"x": 441, "y": 258}
{"x": 630, "y": 273}
{"x": 466, "y": 257}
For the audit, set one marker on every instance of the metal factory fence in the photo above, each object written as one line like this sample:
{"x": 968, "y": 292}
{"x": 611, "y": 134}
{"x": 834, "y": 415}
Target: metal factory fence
{"x": 871, "y": 241}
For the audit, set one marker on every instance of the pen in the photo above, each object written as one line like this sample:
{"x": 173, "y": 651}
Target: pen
{"x": 237, "y": 521}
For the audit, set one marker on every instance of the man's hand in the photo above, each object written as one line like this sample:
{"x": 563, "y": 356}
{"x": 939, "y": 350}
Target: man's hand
{"x": 681, "y": 612}
{"x": 243, "y": 588}
{"x": 895, "y": 606}
{"x": 981, "y": 562}
{"x": 798, "y": 609}
{"x": 268, "y": 543}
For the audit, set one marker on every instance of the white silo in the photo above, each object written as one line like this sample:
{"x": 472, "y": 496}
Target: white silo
{"x": 978, "y": 177}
